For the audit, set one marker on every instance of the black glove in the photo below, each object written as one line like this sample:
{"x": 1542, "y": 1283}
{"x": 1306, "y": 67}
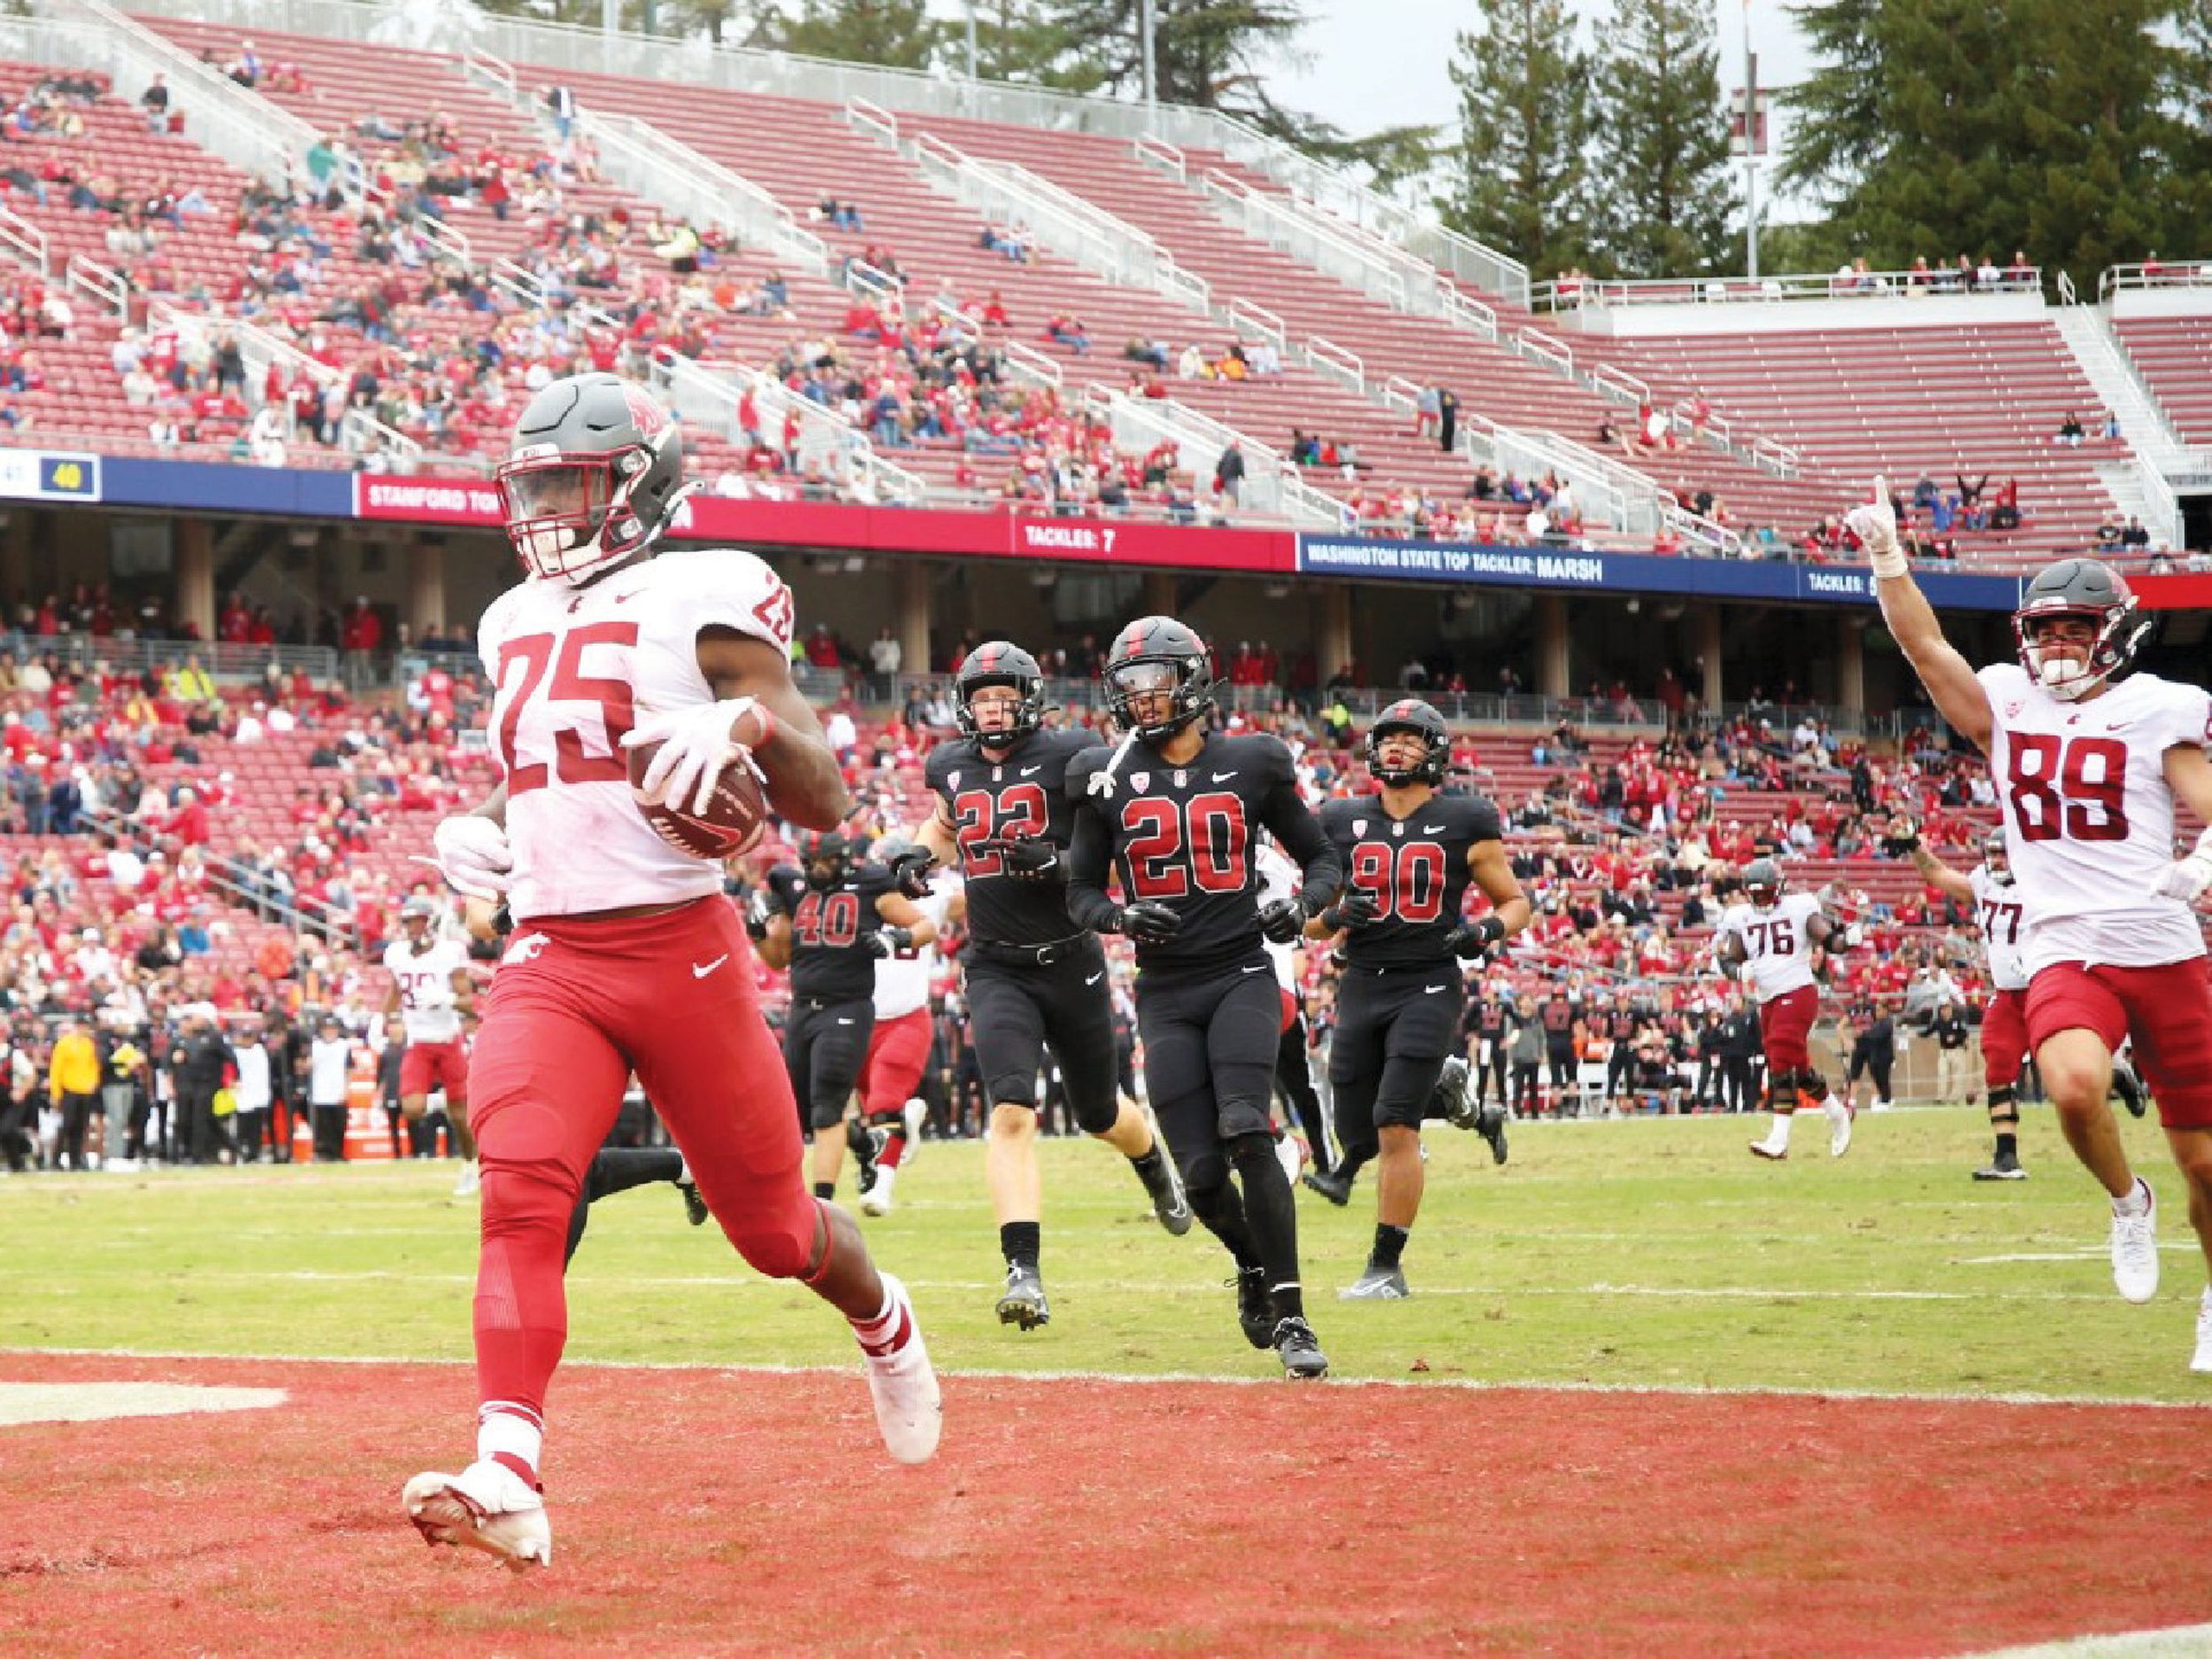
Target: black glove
{"x": 888, "y": 942}
{"x": 910, "y": 872}
{"x": 1030, "y": 858}
{"x": 756, "y": 915}
{"x": 1470, "y": 941}
{"x": 1147, "y": 921}
{"x": 1354, "y": 907}
{"x": 1282, "y": 920}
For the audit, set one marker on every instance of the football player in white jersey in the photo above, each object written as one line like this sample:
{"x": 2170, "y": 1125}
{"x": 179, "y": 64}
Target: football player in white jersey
{"x": 1771, "y": 936}
{"x": 898, "y": 1047}
{"x": 2089, "y": 763}
{"x": 1999, "y": 909}
{"x": 626, "y": 957}
{"x": 434, "y": 997}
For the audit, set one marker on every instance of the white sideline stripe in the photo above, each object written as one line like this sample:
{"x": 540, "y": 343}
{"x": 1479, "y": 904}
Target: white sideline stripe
{"x": 2186, "y": 1248}
{"x": 101, "y": 1402}
{"x": 1747, "y": 1293}
{"x": 2178, "y": 1641}
{"x": 1470, "y": 1385}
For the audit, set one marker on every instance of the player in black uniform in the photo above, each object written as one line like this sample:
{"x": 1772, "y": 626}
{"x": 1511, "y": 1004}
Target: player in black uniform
{"x": 1178, "y": 811}
{"x": 829, "y": 924}
{"x": 1409, "y": 854}
{"x": 1488, "y": 1025}
{"x": 1033, "y": 978}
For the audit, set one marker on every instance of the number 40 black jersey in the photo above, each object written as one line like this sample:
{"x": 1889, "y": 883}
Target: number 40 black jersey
{"x": 830, "y": 958}
{"x": 1022, "y": 794}
{"x": 1416, "y": 867}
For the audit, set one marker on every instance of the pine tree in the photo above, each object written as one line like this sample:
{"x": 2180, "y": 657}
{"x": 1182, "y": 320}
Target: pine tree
{"x": 1211, "y": 53}
{"x": 898, "y": 33}
{"x": 1520, "y": 170}
{"x": 1660, "y": 142}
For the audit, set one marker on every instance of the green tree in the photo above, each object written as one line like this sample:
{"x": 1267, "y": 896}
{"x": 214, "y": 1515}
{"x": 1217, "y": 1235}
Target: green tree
{"x": 1660, "y": 142}
{"x": 1216, "y": 54}
{"x": 1518, "y": 176}
{"x": 898, "y": 34}
{"x": 1936, "y": 128}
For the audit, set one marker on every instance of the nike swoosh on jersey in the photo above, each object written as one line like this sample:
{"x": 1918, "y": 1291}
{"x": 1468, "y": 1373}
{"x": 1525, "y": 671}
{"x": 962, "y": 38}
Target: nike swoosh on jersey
{"x": 844, "y": 1022}
{"x": 1257, "y": 967}
{"x": 1031, "y": 771}
{"x": 1433, "y": 990}
{"x": 1223, "y": 777}
{"x": 1433, "y": 829}
{"x": 699, "y": 972}
{"x": 1095, "y": 978}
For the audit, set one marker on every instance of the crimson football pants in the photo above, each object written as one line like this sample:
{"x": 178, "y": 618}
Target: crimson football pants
{"x": 575, "y": 1007}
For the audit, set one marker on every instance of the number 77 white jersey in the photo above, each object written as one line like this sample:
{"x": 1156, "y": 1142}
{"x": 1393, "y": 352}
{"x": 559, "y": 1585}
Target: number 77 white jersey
{"x": 2089, "y": 816}
{"x": 574, "y": 668}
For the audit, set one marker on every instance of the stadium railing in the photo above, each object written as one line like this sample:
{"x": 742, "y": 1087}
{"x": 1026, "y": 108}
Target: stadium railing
{"x": 2155, "y": 275}
{"x": 1577, "y": 293}
{"x": 238, "y": 885}
{"x": 86, "y": 652}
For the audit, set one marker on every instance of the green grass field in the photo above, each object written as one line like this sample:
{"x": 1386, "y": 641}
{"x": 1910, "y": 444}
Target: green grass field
{"x": 1644, "y": 1253}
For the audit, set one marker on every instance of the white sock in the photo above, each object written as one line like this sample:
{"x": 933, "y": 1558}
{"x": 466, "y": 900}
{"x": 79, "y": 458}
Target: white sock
{"x": 1835, "y": 1108}
{"x": 870, "y": 1330}
{"x": 1779, "y": 1135}
{"x": 502, "y": 1428}
{"x": 2137, "y": 1201}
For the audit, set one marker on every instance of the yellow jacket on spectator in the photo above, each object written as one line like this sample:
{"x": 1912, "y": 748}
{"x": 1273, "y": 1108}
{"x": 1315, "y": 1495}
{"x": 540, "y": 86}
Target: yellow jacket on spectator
{"x": 192, "y": 685}
{"x": 75, "y": 1067}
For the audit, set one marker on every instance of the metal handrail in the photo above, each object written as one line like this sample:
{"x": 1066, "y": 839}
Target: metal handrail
{"x": 1581, "y": 293}
{"x": 2188, "y": 273}
{"x": 27, "y": 241}
{"x": 1312, "y": 238}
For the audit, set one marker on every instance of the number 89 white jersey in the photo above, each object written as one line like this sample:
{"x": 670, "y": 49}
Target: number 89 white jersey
{"x": 574, "y": 667}
{"x": 1777, "y": 947}
{"x": 2089, "y": 816}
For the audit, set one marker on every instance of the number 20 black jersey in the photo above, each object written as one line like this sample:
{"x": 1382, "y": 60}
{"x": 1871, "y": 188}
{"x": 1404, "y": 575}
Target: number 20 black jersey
{"x": 1416, "y": 867}
{"x": 1185, "y": 836}
{"x": 1024, "y": 794}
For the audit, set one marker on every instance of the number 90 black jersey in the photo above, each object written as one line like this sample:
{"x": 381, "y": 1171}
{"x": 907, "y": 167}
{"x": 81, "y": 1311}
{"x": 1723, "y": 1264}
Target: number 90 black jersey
{"x": 1184, "y": 836}
{"x": 986, "y": 801}
{"x": 830, "y": 958}
{"x": 1415, "y": 867}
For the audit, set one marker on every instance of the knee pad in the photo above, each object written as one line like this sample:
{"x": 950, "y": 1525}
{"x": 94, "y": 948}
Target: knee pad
{"x": 1206, "y": 1181}
{"x": 780, "y": 1246}
{"x": 1247, "y": 1152}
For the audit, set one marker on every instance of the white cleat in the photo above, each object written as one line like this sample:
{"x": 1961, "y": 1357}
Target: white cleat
{"x": 909, "y": 1408}
{"x": 1768, "y": 1150}
{"x": 2135, "y": 1249}
{"x": 912, "y": 1113}
{"x": 1291, "y": 1157}
{"x": 876, "y": 1199}
{"x": 465, "y": 1188}
{"x": 2202, "y": 1362}
{"x": 487, "y": 1507}
{"x": 1838, "y": 1131}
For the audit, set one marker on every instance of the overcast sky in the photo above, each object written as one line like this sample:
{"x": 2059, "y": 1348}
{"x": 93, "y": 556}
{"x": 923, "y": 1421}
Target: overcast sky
{"x": 1379, "y": 63}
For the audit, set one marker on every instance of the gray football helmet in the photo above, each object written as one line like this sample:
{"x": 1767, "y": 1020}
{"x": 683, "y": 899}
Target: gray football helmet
{"x": 592, "y": 477}
{"x": 2085, "y": 588}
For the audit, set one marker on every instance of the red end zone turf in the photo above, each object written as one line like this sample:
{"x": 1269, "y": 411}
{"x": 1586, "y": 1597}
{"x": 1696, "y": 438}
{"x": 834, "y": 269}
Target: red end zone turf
{"x": 700, "y": 1511}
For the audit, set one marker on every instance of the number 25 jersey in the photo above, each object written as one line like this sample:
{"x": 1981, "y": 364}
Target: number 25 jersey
{"x": 2089, "y": 816}
{"x": 574, "y": 668}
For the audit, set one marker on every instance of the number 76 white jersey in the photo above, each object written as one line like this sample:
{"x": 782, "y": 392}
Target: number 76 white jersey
{"x": 575, "y": 668}
{"x": 2089, "y": 816}
{"x": 1778, "y": 944}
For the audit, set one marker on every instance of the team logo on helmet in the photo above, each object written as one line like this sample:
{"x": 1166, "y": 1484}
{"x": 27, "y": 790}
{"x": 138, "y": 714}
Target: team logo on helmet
{"x": 1151, "y": 656}
{"x": 1410, "y": 714}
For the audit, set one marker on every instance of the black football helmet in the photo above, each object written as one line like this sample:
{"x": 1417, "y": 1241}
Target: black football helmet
{"x": 592, "y": 477}
{"x": 997, "y": 663}
{"x": 2078, "y": 588}
{"x": 827, "y": 857}
{"x": 1763, "y": 883}
{"x": 1410, "y": 714}
{"x": 1157, "y": 654}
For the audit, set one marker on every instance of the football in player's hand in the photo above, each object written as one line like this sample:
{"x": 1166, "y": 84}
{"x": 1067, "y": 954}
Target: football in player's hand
{"x": 735, "y": 813}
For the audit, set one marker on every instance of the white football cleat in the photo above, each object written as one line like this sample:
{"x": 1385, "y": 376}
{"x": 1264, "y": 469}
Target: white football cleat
{"x": 1838, "y": 1130}
{"x": 1768, "y": 1150}
{"x": 487, "y": 1507}
{"x": 909, "y": 1408}
{"x": 2201, "y": 1363}
{"x": 465, "y": 1188}
{"x": 876, "y": 1199}
{"x": 912, "y": 1113}
{"x": 2135, "y": 1248}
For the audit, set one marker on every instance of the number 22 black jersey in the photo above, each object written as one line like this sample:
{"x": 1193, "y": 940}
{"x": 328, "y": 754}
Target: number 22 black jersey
{"x": 1185, "y": 836}
{"x": 1416, "y": 867}
{"x": 1024, "y": 794}
{"x": 830, "y": 958}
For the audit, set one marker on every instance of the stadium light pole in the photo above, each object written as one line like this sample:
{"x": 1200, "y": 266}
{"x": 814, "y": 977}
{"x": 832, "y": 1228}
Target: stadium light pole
{"x": 1151, "y": 65}
{"x": 1750, "y": 150}
{"x": 974, "y": 75}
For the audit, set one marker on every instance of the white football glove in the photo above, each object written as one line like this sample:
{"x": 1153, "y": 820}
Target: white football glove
{"x": 2187, "y": 878}
{"x": 473, "y": 855}
{"x": 695, "y": 746}
{"x": 1874, "y": 524}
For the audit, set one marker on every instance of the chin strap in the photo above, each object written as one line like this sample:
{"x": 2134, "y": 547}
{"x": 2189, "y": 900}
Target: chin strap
{"x": 1103, "y": 780}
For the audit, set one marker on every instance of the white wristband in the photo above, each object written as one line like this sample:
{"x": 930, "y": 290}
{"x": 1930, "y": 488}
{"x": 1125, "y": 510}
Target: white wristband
{"x": 1889, "y": 566}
